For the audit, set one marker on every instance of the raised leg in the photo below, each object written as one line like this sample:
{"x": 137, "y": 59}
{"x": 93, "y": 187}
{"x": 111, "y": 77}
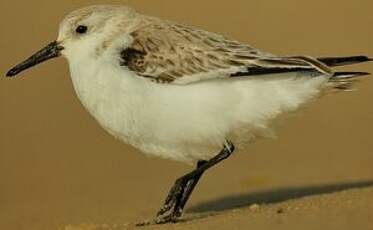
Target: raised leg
{"x": 183, "y": 187}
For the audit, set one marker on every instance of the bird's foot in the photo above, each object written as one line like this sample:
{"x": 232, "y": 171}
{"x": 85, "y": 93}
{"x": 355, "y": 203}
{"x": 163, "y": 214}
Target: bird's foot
{"x": 171, "y": 210}
{"x": 171, "y": 218}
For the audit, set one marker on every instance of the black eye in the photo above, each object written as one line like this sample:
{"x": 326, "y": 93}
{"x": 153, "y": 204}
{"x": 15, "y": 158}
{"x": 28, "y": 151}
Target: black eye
{"x": 81, "y": 29}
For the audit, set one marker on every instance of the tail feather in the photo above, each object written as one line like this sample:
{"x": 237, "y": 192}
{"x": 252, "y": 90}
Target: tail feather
{"x": 345, "y": 80}
{"x": 347, "y": 75}
{"x": 341, "y": 61}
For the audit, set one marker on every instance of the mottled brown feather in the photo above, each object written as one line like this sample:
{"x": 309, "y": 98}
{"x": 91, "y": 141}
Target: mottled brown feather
{"x": 165, "y": 52}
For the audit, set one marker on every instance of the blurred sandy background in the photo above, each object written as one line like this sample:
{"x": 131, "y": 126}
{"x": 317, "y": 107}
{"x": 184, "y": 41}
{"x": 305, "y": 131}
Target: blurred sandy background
{"x": 58, "y": 168}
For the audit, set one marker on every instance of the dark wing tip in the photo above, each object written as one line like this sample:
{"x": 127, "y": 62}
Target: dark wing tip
{"x": 362, "y": 73}
{"x": 365, "y": 58}
{"x": 341, "y": 61}
{"x": 362, "y": 58}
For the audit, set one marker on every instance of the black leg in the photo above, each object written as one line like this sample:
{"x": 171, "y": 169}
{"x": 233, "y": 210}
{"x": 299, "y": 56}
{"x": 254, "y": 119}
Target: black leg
{"x": 183, "y": 187}
{"x": 176, "y": 204}
{"x": 189, "y": 189}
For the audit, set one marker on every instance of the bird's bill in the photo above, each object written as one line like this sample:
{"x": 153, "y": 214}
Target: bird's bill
{"x": 52, "y": 50}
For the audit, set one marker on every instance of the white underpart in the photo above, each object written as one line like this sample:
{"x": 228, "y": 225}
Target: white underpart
{"x": 186, "y": 122}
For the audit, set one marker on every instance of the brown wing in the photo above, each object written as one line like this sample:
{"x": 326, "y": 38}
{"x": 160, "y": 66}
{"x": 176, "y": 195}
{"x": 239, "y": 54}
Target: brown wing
{"x": 168, "y": 52}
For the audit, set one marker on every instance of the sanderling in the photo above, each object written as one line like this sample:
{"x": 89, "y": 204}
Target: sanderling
{"x": 179, "y": 92}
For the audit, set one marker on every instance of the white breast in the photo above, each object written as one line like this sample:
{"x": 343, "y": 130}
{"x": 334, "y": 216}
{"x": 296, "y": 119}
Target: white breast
{"x": 187, "y": 122}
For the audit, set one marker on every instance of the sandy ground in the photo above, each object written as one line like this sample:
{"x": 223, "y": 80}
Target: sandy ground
{"x": 58, "y": 169}
{"x": 336, "y": 210}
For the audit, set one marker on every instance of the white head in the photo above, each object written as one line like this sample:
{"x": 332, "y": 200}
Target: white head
{"x": 86, "y": 31}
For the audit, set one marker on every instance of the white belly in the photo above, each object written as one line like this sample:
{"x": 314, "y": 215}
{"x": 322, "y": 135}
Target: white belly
{"x": 188, "y": 122}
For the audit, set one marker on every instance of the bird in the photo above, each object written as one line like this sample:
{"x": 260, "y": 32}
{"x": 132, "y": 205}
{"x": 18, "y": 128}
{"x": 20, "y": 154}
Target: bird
{"x": 183, "y": 93}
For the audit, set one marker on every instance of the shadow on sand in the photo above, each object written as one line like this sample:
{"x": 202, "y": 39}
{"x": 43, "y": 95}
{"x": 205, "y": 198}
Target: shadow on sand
{"x": 273, "y": 196}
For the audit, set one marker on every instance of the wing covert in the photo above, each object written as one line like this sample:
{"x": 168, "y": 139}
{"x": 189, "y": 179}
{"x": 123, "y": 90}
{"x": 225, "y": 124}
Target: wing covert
{"x": 173, "y": 53}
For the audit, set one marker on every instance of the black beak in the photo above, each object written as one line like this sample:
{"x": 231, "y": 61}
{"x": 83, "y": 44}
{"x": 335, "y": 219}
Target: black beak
{"x": 52, "y": 50}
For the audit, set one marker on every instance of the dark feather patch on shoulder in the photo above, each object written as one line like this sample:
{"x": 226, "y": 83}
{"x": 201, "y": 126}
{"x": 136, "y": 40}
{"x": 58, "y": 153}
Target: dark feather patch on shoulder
{"x": 132, "y": 58}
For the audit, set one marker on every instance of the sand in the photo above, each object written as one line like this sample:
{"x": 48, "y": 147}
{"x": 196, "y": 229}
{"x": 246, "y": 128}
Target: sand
{"x": 338, "y": 210}
{"x": 60, "y": 170}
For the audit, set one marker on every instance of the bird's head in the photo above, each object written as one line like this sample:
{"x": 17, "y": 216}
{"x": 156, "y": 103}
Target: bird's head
{"x": 87, "y": 31}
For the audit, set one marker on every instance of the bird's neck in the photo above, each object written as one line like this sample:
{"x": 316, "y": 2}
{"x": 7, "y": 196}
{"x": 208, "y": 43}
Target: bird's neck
{"x": 95, "y": 80}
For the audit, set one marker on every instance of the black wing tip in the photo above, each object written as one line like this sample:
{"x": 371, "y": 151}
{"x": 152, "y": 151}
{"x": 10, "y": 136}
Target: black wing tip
{"x": 341, "y": 61}
{"x": 364, "y": 58}
{"x": 358, "y": 74}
